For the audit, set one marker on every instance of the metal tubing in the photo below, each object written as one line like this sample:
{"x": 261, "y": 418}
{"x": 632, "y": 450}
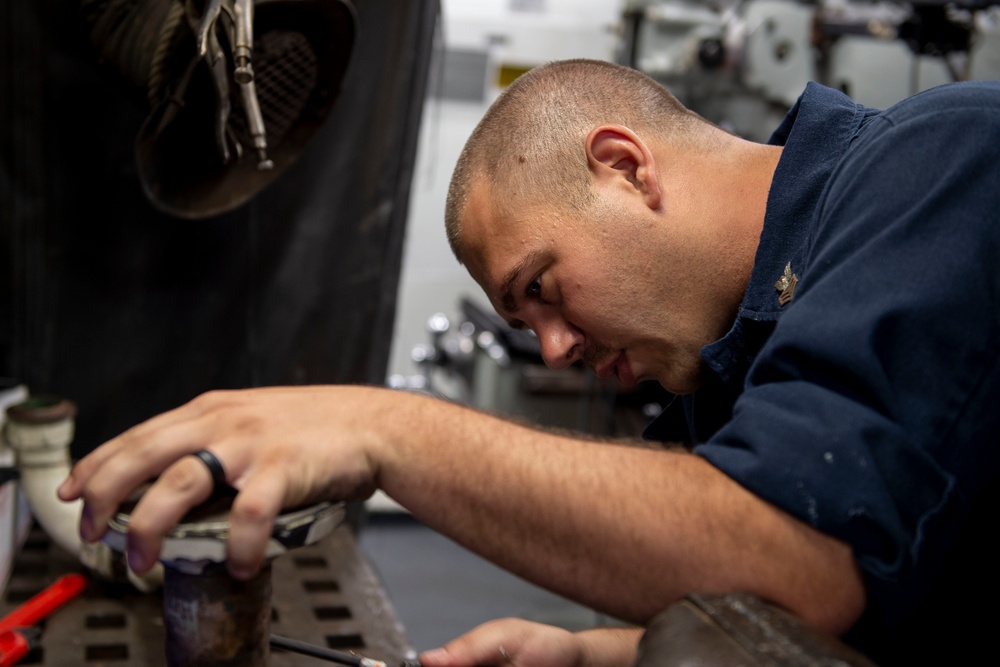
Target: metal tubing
{"x": 214, "y": 620}
{"x": 243, "y": 42}
{"x": 256, "y": 122}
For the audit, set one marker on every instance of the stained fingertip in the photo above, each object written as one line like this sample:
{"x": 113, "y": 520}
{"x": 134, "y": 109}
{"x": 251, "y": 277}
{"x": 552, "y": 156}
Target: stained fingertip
{"x": 137, "y": 561}
{"x": 87, "y": 525}
{"x": 241, "y": 571}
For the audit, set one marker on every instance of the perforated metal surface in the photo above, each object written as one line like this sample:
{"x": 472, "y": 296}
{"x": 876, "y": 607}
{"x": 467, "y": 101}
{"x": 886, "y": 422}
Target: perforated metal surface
{"x": 326, "y": 594}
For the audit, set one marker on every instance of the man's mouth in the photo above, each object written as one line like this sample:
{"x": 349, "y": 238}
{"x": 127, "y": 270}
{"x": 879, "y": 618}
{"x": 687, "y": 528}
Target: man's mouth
{"x": 606, "y": 370}
{"x": 619, "y": 367}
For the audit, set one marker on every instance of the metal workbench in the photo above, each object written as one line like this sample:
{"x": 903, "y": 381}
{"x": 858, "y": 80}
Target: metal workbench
{"x": 326, "y": 594}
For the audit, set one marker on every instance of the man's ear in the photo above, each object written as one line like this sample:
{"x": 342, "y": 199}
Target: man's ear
{"x": 615, "y": 152}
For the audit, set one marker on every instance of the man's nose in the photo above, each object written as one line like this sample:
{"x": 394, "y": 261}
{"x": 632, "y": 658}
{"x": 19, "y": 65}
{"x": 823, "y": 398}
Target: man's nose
{"x": 561, "y": 343}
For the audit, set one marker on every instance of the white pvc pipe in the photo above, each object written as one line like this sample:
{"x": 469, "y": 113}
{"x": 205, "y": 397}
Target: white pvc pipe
{"x": 12, "y": 394}
{"x": 43, "y": 459}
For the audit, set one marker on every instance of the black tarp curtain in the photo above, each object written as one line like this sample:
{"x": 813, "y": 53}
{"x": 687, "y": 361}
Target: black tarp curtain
{"x": 129, "y": 312}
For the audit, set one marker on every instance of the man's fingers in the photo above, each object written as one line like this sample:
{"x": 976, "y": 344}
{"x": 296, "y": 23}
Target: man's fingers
{"x": 108, "y": 478}
{"x": 251, "y": 521}
{"x": 493, "y": 643}
{"x": 135, "y": 441}
{"x": 268, "y": 470}
{"x": 184, "y": 485}
{"x": 103, "y": 493}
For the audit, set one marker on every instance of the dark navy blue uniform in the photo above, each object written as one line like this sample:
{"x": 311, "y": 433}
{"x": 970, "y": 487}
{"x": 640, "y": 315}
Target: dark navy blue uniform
{"x": 868, "y": 406}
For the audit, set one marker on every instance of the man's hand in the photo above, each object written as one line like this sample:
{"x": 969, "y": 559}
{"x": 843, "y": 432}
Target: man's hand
{"x": 280, "y": 448}
{"x": 520, "y": 643}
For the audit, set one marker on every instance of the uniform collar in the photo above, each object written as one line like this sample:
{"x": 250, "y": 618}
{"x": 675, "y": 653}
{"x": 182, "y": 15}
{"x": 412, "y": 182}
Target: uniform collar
{"x": 815, "y": 133}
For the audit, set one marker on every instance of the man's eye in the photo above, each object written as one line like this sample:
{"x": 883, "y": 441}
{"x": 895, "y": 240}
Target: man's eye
{"x": 534, "y": 287}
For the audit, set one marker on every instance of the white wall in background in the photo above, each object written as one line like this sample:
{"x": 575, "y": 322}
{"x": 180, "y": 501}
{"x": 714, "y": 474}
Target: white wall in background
{"x": 488, "y": 34}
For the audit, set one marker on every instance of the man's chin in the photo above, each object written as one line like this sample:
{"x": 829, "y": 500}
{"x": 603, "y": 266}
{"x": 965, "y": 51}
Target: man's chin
{"x": 679, "y": 386}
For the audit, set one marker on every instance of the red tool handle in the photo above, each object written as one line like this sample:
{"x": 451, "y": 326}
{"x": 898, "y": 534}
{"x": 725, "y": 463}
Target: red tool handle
{"x": 13, "y": 647}
{"x": 28, "y": 614}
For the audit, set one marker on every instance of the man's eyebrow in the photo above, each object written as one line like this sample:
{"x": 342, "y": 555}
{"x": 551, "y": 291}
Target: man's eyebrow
{"x": 507, "y": 299}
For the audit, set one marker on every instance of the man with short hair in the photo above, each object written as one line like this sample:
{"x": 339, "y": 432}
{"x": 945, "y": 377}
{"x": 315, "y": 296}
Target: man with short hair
{"x": 825, "y": 305}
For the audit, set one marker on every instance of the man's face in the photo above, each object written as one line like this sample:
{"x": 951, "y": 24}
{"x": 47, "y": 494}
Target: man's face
{"x": 617, "y": 286}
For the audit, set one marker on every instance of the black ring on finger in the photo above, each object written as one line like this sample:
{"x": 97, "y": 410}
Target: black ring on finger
{"x": 215, "y": 468}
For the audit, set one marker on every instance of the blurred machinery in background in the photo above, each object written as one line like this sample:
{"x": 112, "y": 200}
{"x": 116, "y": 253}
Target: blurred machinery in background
{"x": 482, "y": 361}
{"x": 742, "y": 64}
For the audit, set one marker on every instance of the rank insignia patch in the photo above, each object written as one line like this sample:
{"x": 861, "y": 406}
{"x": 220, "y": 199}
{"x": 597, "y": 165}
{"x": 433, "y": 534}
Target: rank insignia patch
{"x": 786, "y": 285}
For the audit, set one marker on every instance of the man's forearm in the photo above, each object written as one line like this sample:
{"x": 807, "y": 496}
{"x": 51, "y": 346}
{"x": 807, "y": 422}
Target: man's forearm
{"x": 625, "y": 530}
